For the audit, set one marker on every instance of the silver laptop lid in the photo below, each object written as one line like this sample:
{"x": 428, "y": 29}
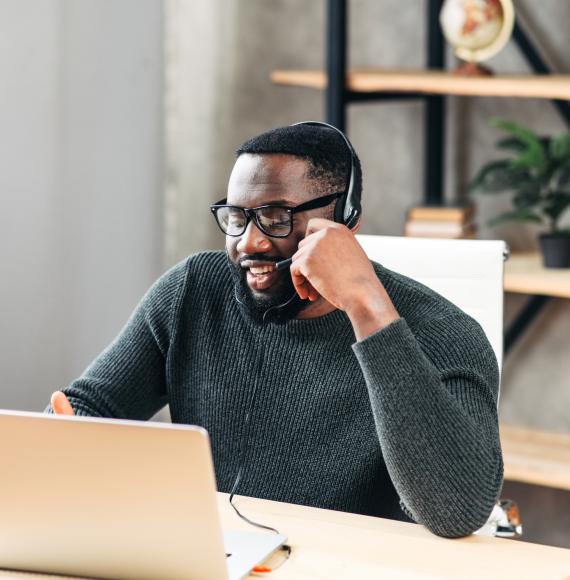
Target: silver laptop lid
{"x": 108, "y": 498}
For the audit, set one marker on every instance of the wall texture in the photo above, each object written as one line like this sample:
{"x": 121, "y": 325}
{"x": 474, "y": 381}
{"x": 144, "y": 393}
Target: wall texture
{"x": 80, "y": 186}
{"x": 259, "y": 37}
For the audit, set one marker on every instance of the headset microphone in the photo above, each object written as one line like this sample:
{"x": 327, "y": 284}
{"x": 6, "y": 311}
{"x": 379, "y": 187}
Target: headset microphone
{"x": 284, "y": 264}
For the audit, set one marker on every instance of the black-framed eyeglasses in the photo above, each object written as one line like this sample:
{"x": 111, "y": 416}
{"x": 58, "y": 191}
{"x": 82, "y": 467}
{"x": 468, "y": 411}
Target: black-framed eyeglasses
{"x": 275, "y": 221}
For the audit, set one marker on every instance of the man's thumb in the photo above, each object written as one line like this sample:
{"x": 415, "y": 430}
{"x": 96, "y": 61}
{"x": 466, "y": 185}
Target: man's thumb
{"x": 60, "y": 404}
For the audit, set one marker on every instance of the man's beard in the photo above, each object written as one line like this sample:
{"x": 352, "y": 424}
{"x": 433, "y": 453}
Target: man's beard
{"x": 279, "y": 304}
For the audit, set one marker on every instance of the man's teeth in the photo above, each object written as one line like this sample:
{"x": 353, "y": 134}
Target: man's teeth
{"x": 261, "y": 270}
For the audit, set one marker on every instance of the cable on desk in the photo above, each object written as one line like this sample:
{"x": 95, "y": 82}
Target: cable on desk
{"x": 244, "y": 445}
{"x": 264, "y": 569}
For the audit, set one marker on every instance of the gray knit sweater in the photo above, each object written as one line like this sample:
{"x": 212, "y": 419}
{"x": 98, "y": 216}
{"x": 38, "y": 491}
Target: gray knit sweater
{"x": 403, "y": 422}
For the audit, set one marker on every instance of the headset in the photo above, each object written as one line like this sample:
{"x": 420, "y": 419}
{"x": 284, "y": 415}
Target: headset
{"x": 348, "y": 208}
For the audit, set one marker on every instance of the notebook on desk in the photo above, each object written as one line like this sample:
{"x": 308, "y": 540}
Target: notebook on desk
{"x": 115, "y": 499}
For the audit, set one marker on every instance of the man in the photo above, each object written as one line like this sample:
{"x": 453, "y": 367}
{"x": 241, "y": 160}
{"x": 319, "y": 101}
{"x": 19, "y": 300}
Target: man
{"x": 337, "y": 383}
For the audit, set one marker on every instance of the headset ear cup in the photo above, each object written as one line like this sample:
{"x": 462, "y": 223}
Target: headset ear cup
{"x": 352, "y": 221}
{"x": 347, "y": 209}
{"x": 339, "y": 210}
{"x": 352, "y": 211}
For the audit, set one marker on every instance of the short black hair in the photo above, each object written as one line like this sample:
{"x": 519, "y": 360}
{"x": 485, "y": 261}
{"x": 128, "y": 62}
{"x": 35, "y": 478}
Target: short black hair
{"x": 323, "y": 148}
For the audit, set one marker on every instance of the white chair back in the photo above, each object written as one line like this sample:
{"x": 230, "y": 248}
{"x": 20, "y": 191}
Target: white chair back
{"x": 468, "y": 273}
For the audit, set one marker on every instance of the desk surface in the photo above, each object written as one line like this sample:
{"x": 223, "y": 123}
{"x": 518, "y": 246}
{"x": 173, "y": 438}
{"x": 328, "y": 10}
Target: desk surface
{"x": 328, "y": 545}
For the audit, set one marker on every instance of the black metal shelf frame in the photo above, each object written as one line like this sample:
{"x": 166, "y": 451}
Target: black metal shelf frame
{"x": 338, "y": 96}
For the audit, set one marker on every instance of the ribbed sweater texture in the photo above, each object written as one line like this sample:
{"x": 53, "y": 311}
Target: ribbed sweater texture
{"x": 401, "y": 425}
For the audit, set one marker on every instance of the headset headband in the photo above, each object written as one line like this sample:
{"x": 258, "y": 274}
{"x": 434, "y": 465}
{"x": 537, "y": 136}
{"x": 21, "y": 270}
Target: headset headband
{"x": 348, "y": 208}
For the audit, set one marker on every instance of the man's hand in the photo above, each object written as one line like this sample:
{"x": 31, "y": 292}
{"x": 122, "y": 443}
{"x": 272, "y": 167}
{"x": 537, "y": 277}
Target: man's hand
{"x": 60, "y": 404}
{"x": 331, "y": 263}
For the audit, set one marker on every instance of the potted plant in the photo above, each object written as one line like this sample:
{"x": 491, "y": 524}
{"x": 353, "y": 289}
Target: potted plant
{"x": 538, "y": 176}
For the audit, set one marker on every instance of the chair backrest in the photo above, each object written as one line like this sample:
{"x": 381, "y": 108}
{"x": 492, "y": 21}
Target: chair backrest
{"x": 468, "y": 273}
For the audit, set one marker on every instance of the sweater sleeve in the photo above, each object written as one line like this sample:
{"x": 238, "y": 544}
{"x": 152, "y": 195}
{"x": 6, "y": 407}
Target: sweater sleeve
{"x": 434, "y": 401}
{"x": 128, "y": 379}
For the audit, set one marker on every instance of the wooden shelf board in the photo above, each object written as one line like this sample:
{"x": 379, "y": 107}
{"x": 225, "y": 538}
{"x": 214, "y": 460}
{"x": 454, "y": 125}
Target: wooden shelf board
{"x": 525, "y": 274}
{"x": 435, "y": 82}
{"x": 536, "y": 457}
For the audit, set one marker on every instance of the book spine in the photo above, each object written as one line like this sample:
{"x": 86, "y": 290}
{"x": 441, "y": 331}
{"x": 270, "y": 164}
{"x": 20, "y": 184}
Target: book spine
{"x": 457, "y": 215}
{"x": 420, "y": 230}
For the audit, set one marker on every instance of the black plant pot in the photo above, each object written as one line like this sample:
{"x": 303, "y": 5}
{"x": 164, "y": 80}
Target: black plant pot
{"x": 555, "y": 250}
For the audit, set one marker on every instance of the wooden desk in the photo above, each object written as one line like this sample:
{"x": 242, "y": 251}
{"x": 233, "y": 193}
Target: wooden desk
{"x": 327, "y": 545}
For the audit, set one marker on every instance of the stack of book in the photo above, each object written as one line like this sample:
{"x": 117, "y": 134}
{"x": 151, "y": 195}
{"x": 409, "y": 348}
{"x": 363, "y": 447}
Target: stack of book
{"x": 441, "y": 222}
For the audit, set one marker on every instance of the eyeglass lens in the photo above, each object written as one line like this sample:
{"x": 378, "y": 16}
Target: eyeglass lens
{"x": 274, "y": 221}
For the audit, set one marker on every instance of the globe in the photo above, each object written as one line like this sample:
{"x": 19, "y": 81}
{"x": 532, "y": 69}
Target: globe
{"x": 477, "y": 29}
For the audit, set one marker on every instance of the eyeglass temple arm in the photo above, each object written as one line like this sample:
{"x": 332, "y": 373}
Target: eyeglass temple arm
{"x": 318, "y": 202}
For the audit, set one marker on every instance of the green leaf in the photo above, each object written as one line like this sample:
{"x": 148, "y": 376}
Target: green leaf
{"x": 555, "y": 204}
{"x": 527, "y": 197}
{"x": 561, "y": 177}
{"x": 520, "y": 215}
{"x": 559, "y": 148}
{"x": 511, "y": 144}
{"x": 518, "y": 131}
{"x": 498, "y": 176}
{"x": 534, "y": 155}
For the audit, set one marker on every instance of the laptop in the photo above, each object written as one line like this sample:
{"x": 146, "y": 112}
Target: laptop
{"x": 109, "y": 498}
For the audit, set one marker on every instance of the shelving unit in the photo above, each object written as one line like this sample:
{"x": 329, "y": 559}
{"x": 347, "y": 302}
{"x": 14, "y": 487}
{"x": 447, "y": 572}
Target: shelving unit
{"x": 530, "y": 456}
{"x": 434, "y": 83}
{"x": 343, "y": 87}
{"x": 525, "y": 274}
{"x": 536, "y": 457}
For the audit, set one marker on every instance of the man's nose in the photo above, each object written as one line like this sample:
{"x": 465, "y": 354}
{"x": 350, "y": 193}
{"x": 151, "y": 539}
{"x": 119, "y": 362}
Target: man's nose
{"x": 253, "y": 240}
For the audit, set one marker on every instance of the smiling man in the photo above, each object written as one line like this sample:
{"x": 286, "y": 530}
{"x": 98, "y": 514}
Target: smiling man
{"x": 333, "y": 382}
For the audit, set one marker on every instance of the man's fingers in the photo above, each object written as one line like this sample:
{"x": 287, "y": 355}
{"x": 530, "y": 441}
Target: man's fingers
{"x": 300, "y": 284}
{"x": 317, "y": 224}
{"x": 303, "y": 287}
{"x": 313, "y": 294}
{"x": 60, "y": 404}
{"x": 307, "y": 292}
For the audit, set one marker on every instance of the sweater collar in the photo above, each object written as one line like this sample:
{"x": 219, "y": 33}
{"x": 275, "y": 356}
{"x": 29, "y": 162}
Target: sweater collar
{"x": 333, "y": 324}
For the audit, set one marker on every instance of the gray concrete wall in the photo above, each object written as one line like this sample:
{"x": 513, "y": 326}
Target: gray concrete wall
{"x": 80, "y": 185}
